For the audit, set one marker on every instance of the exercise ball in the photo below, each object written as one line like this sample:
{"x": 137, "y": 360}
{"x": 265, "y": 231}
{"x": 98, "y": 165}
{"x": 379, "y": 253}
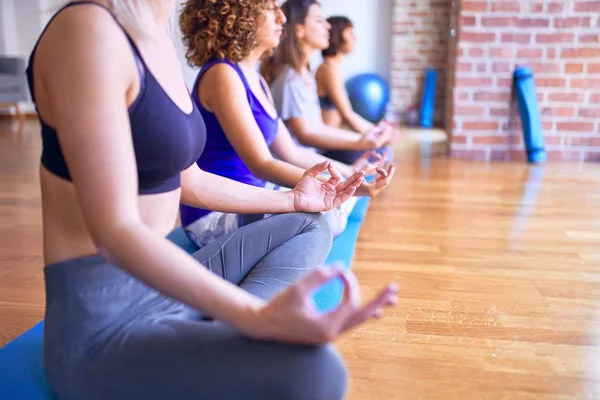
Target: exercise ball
{"x": 369, "y": 95}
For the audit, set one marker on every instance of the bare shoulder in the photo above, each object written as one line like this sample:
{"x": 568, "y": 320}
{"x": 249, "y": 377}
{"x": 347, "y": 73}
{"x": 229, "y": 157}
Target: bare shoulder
{"x": 327, "y": 74}
{"x": 219, "y": 81}
{"x": 321, "y": 70}
{"x": 84, "y": 34}
{"x": 219, "y": 74}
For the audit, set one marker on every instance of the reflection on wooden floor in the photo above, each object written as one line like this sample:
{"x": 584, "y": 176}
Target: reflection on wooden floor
{"x": 498, "y": 265}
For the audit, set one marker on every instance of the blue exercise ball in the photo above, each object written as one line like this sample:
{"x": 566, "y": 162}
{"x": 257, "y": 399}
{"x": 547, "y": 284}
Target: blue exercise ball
{"x": 369, "y": 95}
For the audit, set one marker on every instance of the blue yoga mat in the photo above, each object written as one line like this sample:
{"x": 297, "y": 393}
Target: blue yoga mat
{"x": 21, "y": 368}
{"x": 526, "y": 93}
{"x": 21, "y": 363}
{"x": 428, "y": 98}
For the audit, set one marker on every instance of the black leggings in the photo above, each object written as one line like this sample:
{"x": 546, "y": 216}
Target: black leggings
{"x": 108, "y": 336}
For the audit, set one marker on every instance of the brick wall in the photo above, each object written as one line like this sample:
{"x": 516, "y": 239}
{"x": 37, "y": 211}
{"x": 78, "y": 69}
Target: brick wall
{"x": 420, "y": 36}
{"x": 560, "y": 40}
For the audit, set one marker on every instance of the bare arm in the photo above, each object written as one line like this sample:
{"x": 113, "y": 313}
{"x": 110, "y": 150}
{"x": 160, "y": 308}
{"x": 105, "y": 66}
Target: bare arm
{"x": 222, "y": 91}
{"x": 213, "y": 192}
{"x": 332, "y": 83}
{"x": 287, "y": 150}
{"x": 94, "y": 133}
{"x": 326, "y": 137}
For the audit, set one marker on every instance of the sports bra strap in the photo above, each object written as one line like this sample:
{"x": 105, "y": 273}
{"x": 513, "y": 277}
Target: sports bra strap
{"x": 139, "y": 60}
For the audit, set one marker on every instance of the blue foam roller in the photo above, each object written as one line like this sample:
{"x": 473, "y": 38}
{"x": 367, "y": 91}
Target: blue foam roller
{"x": 525, "y": 91}
{"x": 428, "y": 98}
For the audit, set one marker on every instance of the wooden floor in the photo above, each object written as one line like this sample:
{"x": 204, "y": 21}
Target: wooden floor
{"x": 498, "y": 264}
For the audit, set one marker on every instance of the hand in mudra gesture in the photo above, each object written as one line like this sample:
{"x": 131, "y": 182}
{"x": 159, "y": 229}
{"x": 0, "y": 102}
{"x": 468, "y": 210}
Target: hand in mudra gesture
{"x": 291, "y": 316}
{"x": 369, "y": 162}
{"x": 312, "y": 195}
{"x": 381, "y": 182}
{"x": 379, "y": 136}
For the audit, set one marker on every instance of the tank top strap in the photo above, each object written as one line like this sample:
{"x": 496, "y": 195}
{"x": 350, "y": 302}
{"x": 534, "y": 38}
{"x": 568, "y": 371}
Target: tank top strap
{"x": 216, "y": 61}
{"x": 141, "y": 65}
{"x": 233, "y": 65}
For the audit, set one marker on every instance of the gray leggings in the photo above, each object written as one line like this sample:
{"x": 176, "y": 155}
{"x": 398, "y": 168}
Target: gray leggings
{"x": 108, "y": 336}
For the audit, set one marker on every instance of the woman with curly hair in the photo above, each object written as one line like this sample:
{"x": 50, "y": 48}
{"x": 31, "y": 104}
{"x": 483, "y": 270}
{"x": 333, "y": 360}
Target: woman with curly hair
{"x": 294, "y": 88}
{"x": 246, "y": 140}
{"x": 128, "y": 314}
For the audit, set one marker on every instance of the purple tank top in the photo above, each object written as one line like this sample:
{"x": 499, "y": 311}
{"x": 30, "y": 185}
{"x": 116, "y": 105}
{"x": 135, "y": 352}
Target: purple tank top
{"x": 219, "y": 157}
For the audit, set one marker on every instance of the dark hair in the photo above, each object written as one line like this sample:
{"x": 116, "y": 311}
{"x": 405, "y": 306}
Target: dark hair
{"x": 220, "y": 28}
{"x": 289, "y": 51}
{"x": 336, "y": 39}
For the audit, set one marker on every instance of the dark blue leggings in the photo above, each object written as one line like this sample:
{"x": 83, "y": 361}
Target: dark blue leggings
{"x": 108, "y": 336}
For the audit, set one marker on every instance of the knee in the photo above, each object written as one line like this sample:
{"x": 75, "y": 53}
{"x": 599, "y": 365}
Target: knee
{"x": 317, "y": 224}
{"x": 314, "y": 223}
{"x": 323, "y": 377}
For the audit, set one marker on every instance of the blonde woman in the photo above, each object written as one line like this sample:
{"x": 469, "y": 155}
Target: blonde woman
{"x": 128, "y": 313}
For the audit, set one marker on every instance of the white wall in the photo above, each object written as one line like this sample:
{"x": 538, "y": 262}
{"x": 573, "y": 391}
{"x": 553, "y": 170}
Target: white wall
{"x": 8, "y": 44}
{"x": 188, "y": 72}
{"x": 20, "y": 26}
{"x": 21, "y": 22}
{"x": 372, "y": 21}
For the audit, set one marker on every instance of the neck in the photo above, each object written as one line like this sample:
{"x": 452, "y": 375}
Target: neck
{"x": 305, "y": 56}
{"x": 162, "y": 11}
{"x": 337, "y": 59}
{"x": 252, "y": 60}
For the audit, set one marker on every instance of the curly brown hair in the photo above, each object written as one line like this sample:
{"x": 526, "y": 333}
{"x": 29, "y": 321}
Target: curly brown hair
{"x": 220, "y": 28}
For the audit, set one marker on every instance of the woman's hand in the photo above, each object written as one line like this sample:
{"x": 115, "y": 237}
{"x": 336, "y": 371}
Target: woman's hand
{"x": 367, "y": 165}
{"x": 396, "y": 133}
{"x": 384, "y": 177}
{"x": 376, "y": 138}
{"x": 312, "y": 195}
{"x": 291, "y": 316}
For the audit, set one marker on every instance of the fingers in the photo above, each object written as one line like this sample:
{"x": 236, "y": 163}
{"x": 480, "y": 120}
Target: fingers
{"x": 387, "y": 174}
{"x": 384, "y": 177}
{"x": 382, "y": 173}
{"x": 355, "y": 178}
{"x": 336, "y": 177}
{"x": 372, "y": 138}
{"x": 373, "y": 309}
{"x": 351, "y": 290}
{"x": 392, "y": 170}
{"x": 317, "y": 169}
{"x": 343, "y": 196}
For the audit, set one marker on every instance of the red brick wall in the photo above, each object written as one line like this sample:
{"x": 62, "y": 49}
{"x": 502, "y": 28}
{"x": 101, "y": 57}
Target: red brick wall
{"x": 420, "y": 36}
{"x": 560, "y": 40}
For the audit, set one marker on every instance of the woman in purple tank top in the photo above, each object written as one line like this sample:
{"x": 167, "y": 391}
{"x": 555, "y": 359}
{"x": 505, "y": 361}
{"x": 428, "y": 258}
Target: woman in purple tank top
{"x": 246, "y": 139}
